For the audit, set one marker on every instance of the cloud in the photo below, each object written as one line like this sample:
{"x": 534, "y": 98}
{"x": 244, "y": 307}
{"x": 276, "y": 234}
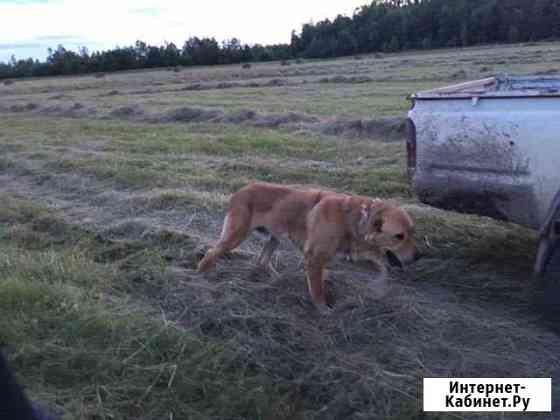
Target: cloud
{"x": 59, "y": 38}
{"x": 149, "y": 11}
{"x": 19, "y": 46}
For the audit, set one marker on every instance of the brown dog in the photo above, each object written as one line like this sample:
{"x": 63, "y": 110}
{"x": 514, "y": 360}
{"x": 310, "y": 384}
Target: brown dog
{"x": 322, "y": 224}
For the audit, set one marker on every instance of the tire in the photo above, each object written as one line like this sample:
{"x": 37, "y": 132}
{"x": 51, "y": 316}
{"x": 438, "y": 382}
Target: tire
{"x": 548, "y": 255}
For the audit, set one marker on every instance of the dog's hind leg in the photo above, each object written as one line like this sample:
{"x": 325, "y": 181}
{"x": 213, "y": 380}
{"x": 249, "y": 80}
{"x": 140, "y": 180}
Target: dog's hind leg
{"x": 267, "y": 252}
{"x": 235, "y": 230}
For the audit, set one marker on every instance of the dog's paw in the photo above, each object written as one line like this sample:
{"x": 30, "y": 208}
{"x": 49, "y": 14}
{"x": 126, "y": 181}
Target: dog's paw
{"x": 324, "y": 309}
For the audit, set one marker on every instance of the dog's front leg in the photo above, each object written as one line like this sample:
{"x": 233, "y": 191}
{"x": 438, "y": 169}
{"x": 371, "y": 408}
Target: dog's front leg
{"x": 209, "y": 259}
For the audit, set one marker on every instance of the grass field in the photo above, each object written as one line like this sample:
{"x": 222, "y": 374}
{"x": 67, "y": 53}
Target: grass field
{"x": 112, "y": 186}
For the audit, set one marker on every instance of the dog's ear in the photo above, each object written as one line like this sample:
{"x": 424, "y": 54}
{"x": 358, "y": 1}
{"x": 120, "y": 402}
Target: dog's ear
{"x": 371, "y": 221}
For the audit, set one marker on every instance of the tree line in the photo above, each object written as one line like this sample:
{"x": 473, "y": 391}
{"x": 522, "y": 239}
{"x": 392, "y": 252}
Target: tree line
{"x": 195, "y": 51}
{"x": 394, "y": 25}
{"x": 384, "y": 25}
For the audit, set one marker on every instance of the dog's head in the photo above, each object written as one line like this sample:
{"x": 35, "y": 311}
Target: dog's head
{"x": 391, "y": 229}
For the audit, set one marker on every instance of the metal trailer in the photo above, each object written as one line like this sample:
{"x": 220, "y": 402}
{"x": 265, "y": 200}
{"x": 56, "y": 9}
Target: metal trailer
{"x": 492, "y": 147}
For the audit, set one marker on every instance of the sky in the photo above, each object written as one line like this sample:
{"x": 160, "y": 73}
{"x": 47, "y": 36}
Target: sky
{"x": 29, "y": 27}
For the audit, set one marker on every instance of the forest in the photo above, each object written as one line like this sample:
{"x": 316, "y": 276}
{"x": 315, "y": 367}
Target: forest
{"x": 395, "y": 25}
{"x": 382, "y": 26}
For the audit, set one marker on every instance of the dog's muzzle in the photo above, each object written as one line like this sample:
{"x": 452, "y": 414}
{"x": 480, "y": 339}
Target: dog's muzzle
{"x": 393, "y": 259}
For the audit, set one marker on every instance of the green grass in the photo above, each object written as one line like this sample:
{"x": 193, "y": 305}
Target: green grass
{"x": 152, "y": 156}
{"x": 343, "y": 100}
{"x": 19, "y": 211}
{"x": 99, "y": 359}
{"x": 144, "y": 139}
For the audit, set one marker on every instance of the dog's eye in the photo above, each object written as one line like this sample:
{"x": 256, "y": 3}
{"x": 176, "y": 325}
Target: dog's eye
{"x": 400, "y": 236}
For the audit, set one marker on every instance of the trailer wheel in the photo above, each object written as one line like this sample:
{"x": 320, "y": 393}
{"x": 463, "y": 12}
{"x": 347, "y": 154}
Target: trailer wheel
{"x": 548, "y": 255}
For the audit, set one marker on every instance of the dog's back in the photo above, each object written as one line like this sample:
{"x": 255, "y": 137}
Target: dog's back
{"x": 281, "y": 210}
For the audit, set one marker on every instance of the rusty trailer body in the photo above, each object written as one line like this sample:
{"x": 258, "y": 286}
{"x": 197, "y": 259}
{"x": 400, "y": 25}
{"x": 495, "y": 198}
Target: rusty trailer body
{"x": 489, "y": 147}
